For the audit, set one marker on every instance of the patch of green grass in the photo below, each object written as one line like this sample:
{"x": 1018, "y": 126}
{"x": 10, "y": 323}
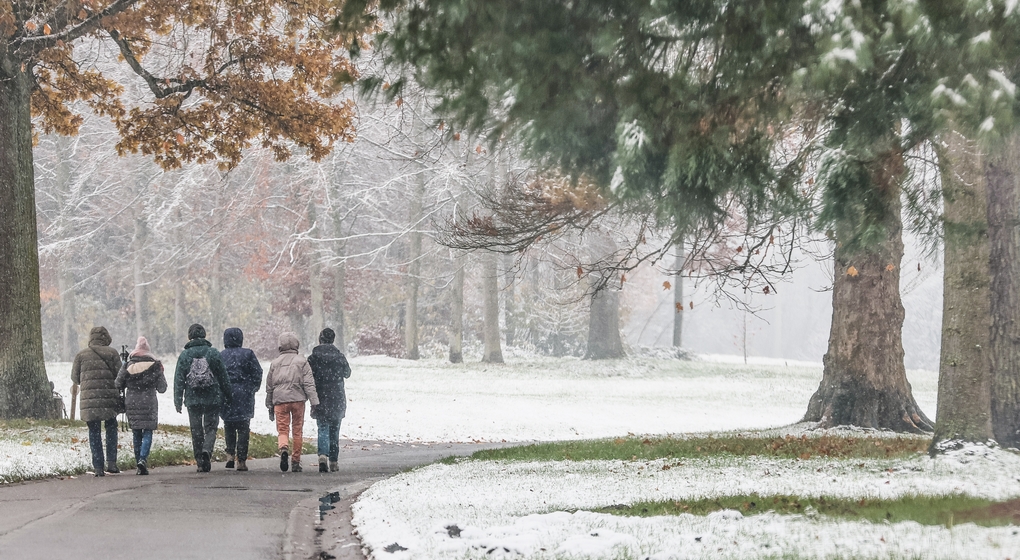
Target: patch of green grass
{"x": 260, "y": 446}
{"x": 926, "y": 510}
{"x": 788, "y": 447}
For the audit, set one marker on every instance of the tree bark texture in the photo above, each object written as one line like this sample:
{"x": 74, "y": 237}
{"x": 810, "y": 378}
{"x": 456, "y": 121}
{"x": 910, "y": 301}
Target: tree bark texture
{"x": 678, "y": 295}
{"x": 457, "y": 312}
{"x": 964, "y": 396}
{"x": 24, "y": 388}
{"x": 1002, "y": 176}
{"x": 604, "y": 341}
{"x": 864, "y": 382}
{"x": 491, "y": 351}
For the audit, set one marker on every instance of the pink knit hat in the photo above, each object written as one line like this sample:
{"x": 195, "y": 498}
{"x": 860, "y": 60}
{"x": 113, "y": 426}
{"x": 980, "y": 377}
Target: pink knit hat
{"x": 142, "y": 348}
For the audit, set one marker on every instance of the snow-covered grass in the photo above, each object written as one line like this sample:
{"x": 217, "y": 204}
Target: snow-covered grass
{"x": 503, "y": 509}
{"x": 534, "y": 398}
{"x": 542, "y": 509}
{"x": 43, "y": 449}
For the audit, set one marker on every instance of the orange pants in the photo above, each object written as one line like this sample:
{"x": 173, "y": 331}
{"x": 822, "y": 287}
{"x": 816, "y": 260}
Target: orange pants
{"x": 285, "y": 413}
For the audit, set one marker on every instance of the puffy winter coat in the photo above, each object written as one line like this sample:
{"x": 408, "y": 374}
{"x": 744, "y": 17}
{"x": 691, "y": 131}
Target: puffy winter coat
{"x": 245, "y": 374}
{"x": 290, "y": 379}
{"x": 330, "y": 368}
{"x": 214, "y": 396}
{"x": 142, "y": 376}
{"x": 95, "y": 371}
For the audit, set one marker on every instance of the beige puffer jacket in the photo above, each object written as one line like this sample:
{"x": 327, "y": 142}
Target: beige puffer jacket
{"x": 290, "y": 378}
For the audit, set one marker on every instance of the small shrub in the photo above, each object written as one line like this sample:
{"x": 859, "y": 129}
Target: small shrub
{"x": 379, "y": 339}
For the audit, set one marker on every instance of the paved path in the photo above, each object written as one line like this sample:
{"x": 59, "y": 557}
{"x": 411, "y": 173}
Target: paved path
{"x": 176, "y": 513}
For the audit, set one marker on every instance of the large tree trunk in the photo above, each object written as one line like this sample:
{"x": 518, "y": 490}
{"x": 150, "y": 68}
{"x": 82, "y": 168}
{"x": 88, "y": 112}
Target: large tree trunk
{"x": 604, "y": 341}
{"x": 24, "y": 387}
{"x": 457, "y": 312}
{"x": 491, "y": 352}
{"x": 864, "y": 382}
{"x": 1003, "y": 183}
{"x": 678, "y": 295}
{"x": 964, "y": 399}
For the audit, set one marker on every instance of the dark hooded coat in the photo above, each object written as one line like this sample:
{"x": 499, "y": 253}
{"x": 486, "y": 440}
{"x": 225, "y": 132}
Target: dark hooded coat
{"x": 245, "y": 374}
{"x": 142, "y": 377}
{"x": 95, "y": 371}
{"x": 330, "y": 368}
{"x": 208, "y": 398}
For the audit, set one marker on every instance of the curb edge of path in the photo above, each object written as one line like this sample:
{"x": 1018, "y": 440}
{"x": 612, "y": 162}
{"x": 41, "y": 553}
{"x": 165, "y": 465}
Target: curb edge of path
{"x": 303, "y": 539}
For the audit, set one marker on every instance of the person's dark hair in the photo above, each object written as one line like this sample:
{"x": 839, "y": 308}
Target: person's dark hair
{"x": 327, "y": 336}
{"x": 196, "y": 331}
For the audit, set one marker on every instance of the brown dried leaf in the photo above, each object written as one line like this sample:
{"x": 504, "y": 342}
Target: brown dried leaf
{"x": 666, "y": 285}
{"x": 852, "y": 271}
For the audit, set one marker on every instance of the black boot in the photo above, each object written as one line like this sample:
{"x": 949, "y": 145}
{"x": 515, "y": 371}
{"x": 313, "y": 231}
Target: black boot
{"x": 230, "y": 461}
{"x": 206, "y": 462}
{"x": 284, "y": 459}
{"x": 141, "y": 468}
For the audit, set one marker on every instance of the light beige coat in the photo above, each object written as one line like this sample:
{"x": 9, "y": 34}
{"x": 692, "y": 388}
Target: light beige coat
{"x": 290, "y": 378}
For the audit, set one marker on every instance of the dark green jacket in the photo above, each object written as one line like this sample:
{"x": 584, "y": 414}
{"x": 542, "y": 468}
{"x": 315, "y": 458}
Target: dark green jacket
{"x": 207, "y": 397}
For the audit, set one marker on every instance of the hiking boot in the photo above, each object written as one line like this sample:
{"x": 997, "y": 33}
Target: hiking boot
{"x": 230, "y": 462}
{"x": 296, "y": 467}
{"x": 112, "y": 468}
{"x": 206, "y": 463}
{"x": 323, "y": 463}
{"x": 334, "y": 466}
{"x": 141, "y": 468}
{"x": 241, "y": 467}
{"x": 284, "y": 458}
{"x": 99, "y": 472}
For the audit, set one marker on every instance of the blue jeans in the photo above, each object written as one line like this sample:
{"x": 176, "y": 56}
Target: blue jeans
{"x": 329, "y": 437}
{"x": 96, "y": 443}
{"x": 143, "y": 443}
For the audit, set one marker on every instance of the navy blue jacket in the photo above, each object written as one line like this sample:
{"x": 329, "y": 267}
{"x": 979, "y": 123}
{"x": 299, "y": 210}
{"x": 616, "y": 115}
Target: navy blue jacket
{"x": 330, "y": 368}
{"x": 245, "y": 374}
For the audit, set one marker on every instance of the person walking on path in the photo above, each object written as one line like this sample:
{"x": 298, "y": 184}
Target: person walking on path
{"x": 142, "y": 377}
{"x": 329, "y": 368}
{"x": 201, "y": 384}
{"x": 245, "y": 375}
{"x": 288, "y": 385}
{"x": 95, "y": 371}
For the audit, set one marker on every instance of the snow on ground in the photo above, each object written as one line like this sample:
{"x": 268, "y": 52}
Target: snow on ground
{"x": 541, "y": 398}
{"x": 512, "y": 508}
{"x": 486, "y": 509}
{"x": 44, "y": 451}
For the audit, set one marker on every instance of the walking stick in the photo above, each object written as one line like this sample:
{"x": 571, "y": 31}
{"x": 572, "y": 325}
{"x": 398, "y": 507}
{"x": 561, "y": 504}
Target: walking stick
{"x": 74, "y": 398}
